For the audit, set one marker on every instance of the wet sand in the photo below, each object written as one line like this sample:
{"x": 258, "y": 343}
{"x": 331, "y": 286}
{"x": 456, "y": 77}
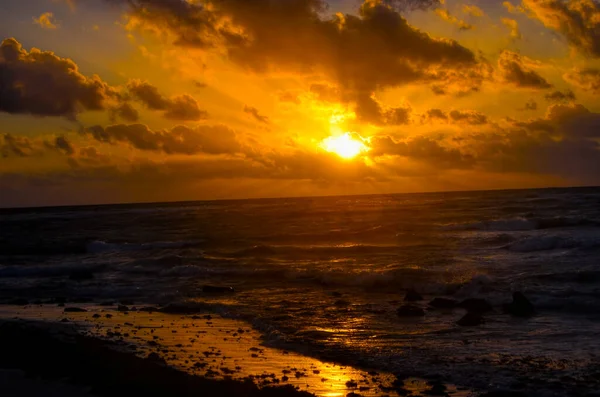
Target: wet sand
{"x": 217, "y": 355}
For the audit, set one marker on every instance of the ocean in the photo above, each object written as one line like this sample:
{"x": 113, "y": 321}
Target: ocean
{"x": 325, "y": 276}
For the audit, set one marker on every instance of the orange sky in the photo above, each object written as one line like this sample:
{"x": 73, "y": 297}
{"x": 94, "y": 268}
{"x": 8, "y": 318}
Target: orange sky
{"x": 150, "y": 100}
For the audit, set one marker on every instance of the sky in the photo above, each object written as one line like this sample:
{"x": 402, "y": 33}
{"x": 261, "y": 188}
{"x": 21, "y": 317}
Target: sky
{"x": 111, "y": 101}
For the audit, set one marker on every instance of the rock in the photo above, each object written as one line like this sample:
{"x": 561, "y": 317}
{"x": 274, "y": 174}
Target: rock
{"x": 471, "y": 319}
{"x": 437, "y": 389}
{"x": 443, "y": 303}
{"x": 122, "y": 308}
{"x": 520, "y": 306}
{"x": 410, "y": 311}
{"x": 412, "y": 296}
{"x": 336, "y": 294}
{"x": 341, "y": 302}
{"x": 64, "y": 320}
{"x": 96, "y": 315}
{"x": 74, "y": 310}
{"x": 476, "y": 305}
{"x": 217, "y": 290}
{"x": 81, "y": 275}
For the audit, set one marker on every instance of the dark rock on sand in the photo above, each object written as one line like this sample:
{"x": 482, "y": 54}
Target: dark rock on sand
{"x": 443, "y": 303}
{"x": 410, "y": 311}
{"x": 217, "y": 290}
{"x": 412, "y": 296}
{"x": 75, "y": 310}
{"x": 81, "y": 275}
{"x": 520, "y": 306}
{"x": 122, "y": 308}
{"x": 437, "y": 389}
{"x": 476, "y": 305}
{"x": 471, "y": 319}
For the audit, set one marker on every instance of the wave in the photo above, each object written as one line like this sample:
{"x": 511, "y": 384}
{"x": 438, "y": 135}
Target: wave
{"x": 48, "y": 270}
{"x": 546, "y": 243}
{"x": 523, "y": 224}
{"x": 98, "y": 246}
{"x": 326, "y": 250}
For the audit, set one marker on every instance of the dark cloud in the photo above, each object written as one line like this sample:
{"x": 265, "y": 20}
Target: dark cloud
{"x": 252, "y": 111}
{"x": 433, "y": 114}
{"x": 19, "y": 146}
{"x": 423, "y": 149}
{"x": 577, "y": 20}
{"x": 181, "y": 107}
{"x": 459, "y": 23}
{"x": 216, "y": 139}
{"x": 359, "y": 53}
{"x": 530, "y": 105}
{"x": 468, "y": 117}
{"x": 471, "y": 117}
{"x": 513, "y": 70}
{"x": 124, "y": 111}
{"x": 43, "y": 84}
{"x": 62, "y": 144}
{"x": 586, "y": 79}
{"x": 560, "y": 96}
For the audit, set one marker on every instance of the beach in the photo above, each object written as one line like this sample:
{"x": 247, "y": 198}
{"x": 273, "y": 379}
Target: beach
{"x": 214, "y": 355}
{"x": 465, "y": 293}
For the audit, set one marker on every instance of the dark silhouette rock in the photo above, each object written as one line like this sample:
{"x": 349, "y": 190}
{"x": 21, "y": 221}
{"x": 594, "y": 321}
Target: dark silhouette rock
{"x": 122, "y": 308}
{"x": 412, "y": 296}
{"x": 437, "y": 389}
{"x": 476, "y": 305}
{"x": 217, "y": 290}
{"x": 81, "y": 275}
{"x": 410, "y": 311}
{"x": 74, "y": 310}
{"x": 471, "y": 319}
{"x": 443, "y": 303}
{"x": 520, "y": 306}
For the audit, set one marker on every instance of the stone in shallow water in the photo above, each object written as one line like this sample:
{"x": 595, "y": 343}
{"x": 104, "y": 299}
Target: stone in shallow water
{"x": 471, "y": 319}
{"x": 412, "y": 296}
{"x": 476, "y": 305}
{"x": 443, "y": 303}
{"x": 520, "y": 306}
{"x": 74, "y": 310}
{"x": 410, "y": 311}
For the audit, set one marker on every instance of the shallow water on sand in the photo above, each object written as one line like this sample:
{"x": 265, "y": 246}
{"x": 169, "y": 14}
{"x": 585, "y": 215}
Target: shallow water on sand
{"x": 325, "y": 276}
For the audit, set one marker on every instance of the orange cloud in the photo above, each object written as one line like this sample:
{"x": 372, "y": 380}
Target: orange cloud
{"x": 46, "y": 21}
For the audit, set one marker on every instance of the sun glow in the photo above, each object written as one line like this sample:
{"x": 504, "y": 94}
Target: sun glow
{"x": 344, "y": 145}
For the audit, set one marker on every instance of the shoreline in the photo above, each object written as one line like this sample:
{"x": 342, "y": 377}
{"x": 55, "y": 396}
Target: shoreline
{"x": 216, "y": 354}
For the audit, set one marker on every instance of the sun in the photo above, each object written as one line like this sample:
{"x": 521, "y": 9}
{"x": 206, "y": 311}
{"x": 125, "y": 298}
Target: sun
{"x": 344, "y": 145}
